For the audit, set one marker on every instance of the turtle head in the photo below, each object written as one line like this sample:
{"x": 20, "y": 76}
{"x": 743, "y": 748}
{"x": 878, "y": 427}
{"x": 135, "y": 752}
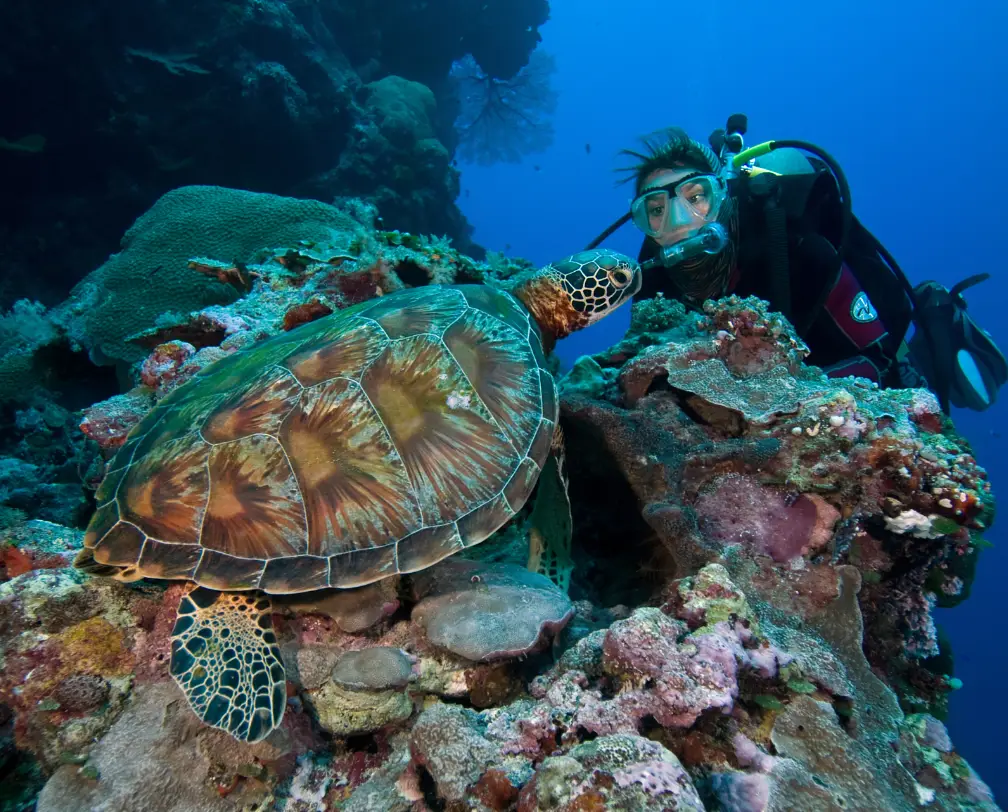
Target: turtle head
{"x": 577, "y": 291}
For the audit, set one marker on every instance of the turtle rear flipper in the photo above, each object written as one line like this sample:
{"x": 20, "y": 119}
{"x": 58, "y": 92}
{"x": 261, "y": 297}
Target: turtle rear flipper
{"x": 551, "y": 520}
{"x": 225, "y": 659}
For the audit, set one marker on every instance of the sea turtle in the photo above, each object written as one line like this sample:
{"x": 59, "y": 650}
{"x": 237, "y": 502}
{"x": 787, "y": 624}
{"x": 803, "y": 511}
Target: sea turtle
{"x": 374, "y": 441}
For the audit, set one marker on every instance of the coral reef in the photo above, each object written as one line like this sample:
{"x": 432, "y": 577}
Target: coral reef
{"x": 47, "y": 466}
{"x": 269, "y": 95}
{"x": 235, "y": 266}
{"x": 397, "y": 162}
{"x": 756, "y": 553}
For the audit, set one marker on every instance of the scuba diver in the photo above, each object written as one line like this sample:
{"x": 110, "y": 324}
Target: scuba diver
{"x": 775, "y": 221}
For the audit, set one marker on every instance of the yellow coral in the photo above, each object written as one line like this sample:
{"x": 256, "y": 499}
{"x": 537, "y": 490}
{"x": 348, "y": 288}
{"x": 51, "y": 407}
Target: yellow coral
{"x": 710, "y": 594}
{"x": 94, "y": 646}
{"x": 344, "y": 712}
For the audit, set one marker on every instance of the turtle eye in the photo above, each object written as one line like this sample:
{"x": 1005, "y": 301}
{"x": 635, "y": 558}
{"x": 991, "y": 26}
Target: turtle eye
{"x": 620, "y": 276}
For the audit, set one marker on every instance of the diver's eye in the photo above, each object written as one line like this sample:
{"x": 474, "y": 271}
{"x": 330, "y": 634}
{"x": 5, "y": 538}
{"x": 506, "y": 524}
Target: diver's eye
{"x": 696, "y": 196}
{"x": 620, "y": 277}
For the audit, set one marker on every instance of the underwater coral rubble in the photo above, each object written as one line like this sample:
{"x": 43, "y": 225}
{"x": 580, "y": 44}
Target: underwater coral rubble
{"x": 757, "y": 550}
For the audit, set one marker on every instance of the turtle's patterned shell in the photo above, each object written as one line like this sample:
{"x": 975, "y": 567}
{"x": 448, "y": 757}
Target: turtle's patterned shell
{"x": 374, "y": 441}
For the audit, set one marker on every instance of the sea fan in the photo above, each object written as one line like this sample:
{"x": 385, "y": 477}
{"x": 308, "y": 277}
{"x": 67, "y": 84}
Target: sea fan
{"x": 503, "y": 120}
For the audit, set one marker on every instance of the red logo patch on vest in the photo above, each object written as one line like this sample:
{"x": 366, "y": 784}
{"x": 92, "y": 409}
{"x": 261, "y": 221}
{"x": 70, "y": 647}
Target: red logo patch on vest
{"x": 852, "y": 311}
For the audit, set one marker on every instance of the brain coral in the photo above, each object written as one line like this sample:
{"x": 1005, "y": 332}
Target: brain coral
{"x": 403, "y": 109}
{"x": 150, "y": 276}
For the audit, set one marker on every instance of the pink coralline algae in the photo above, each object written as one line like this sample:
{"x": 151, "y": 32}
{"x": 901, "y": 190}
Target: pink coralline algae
{"x": 108, "y": 422}
{"x": 166, "y": 367}
{"x": 656, "y": 777}
{"x": 738, "y": 510}
{"x": 655, "y": 668}
{"x": 682, "y": 681}
{"x": 749, "y": 754}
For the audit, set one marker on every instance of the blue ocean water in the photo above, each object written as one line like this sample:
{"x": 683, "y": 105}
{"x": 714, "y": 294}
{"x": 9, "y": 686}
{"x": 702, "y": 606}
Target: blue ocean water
{"x": 907, "y": 96}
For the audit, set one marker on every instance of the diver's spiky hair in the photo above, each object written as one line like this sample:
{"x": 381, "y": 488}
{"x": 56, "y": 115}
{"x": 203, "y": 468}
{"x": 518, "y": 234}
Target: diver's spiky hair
{"x": 667, "y": 148}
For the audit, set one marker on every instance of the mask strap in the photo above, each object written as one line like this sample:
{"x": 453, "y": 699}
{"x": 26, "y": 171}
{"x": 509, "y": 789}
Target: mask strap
{"x": 608, "y": 232}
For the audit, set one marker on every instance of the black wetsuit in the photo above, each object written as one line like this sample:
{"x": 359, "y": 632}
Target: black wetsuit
{"x": 853, "y": 316}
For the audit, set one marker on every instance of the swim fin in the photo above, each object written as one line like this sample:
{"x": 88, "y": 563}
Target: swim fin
{"x": 960, "y": 360}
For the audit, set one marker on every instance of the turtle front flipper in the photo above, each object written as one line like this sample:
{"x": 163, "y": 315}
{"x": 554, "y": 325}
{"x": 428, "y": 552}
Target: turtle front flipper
{"x": 551, "y": 522}
{"x": 225, "y": 659}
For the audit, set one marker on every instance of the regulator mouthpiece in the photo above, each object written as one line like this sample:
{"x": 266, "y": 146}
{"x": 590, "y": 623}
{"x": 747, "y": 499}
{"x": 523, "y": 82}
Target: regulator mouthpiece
{"x": 711, "y": 239}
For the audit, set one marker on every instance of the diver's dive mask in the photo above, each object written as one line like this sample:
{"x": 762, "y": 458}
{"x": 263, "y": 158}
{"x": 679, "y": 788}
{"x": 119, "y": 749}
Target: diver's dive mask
{"x": 694, "y": 200}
